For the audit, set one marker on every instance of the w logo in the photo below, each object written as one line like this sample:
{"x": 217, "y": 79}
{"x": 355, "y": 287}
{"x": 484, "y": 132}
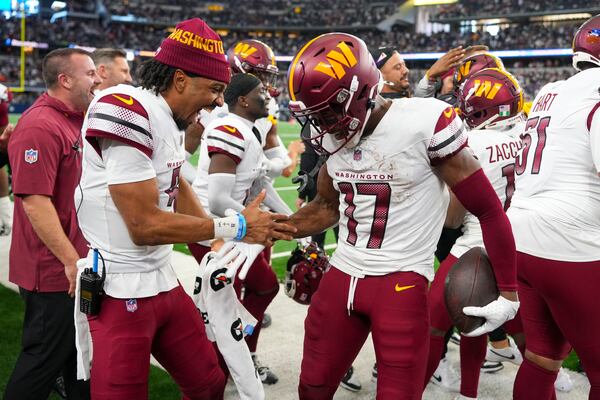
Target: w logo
{"x": 337, "y": 62}
{"x": 463, "y": 71}
{"x": 244, "y": 50}
{"x": 486, "y": 89}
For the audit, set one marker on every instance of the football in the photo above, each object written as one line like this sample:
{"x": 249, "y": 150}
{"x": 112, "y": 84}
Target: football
{"x": 470, "y": 282}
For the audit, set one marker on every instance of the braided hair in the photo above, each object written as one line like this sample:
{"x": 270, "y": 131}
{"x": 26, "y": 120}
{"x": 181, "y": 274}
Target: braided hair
{"x": 156, "y": 76}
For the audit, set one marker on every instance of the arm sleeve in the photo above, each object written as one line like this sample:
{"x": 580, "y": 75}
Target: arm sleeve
{"x": 274, "y": 201}
{"x": 125, "y": 164}
{"x": 593, "y": 124}
{"x": 478, "y": 196}
{"x": 227, "y": 140}
{"x": 425, "y": 88}
{"x": 35, "y": 155}
{"x": 220, "y": 187}
{"x": 449, "y": 137}
{"x": 122, "y": 118}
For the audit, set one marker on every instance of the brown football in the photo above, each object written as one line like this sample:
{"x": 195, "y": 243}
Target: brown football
{"x": 470, "y": 282}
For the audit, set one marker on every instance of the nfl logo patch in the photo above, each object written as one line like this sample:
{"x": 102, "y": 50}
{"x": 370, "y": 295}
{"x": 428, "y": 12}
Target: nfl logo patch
{"x": 131, "y": 305}
{"x": 31, "y": 156}
{"x": 357, "y": 155}
{"x": 504, "y": 110}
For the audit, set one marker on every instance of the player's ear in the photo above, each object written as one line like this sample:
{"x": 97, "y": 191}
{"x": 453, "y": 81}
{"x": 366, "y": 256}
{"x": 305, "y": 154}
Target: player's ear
{"x": 243, "y": 101}
{"x": 180, "y": 80}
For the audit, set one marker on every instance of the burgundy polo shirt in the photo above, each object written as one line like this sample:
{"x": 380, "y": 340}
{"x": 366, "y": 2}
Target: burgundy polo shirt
{"x": 45, "y": 156}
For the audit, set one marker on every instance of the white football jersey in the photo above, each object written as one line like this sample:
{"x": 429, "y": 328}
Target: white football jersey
{"x": 233, "y": 136}
{"x": 496, "y": 150}
{"x": 263, "y": 124}
{"x": 555, "y": 212}
{"x": 392, "y": 204}
{"x": 143, "y": 120}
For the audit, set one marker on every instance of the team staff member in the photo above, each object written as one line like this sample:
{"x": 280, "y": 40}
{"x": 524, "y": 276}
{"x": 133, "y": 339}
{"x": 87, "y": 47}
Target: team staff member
{"x": 130, "y": 188}
{"x": 6, "y": 206}
{"x": 112, "y": 67}
{"x": 45, "y": 154}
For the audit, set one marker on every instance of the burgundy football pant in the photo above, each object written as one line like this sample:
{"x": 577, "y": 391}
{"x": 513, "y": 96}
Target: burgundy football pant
{"x": 259, "y": 289}
{"x": 393, "y": 307}
{"x": 169, "y": 327}
{"x": 472, "y": 349}
{"x": 558, "y": 307}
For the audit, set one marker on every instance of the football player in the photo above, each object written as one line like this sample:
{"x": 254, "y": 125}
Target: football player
{"x": 385, "y": 182}
{"x": 230, "y": 161}
{"x": 491, "y": 102}
{"x": 130, "y": 188}
{"x": 555, "y": 215}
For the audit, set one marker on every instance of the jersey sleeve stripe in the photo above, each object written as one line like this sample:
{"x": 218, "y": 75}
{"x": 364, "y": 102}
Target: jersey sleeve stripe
{"x": 125, "y": 101}
{"x": 100, "y": 127}
{"x": 227, "y": 142}
{"x": 93, "y": 134}
{"x": 439, "y": 146}
{"x": 120, "y": 121}
{"x": 230, "y": 130}
{"x": 590, "y": 117}
{"x": 122, "y": 113}
{"x": 212, "y": 150}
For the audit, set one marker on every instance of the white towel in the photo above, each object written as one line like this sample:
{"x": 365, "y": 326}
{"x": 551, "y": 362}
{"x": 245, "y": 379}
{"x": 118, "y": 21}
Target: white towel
{"x": 227, "y": 322}
{"x": 83, "y": 338}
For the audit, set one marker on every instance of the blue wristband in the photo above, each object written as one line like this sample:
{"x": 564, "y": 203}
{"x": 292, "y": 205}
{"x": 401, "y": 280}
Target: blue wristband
{"x": 241, "y": 233}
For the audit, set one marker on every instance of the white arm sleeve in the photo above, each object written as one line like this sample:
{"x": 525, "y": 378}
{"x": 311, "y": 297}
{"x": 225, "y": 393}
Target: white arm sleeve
{"x": 425, "y": 88}
{"x": 124, "y": 163}
{"x": 274, "y": 201}
{"x": 595, "y": 139}
{"x": 220, "y": 187}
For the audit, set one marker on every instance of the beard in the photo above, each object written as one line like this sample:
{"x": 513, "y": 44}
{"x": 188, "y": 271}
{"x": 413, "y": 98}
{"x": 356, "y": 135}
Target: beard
{"x": 181, "y": 123}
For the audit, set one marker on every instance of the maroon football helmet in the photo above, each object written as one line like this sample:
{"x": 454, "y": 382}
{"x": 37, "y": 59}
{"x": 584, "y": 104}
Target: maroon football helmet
{"x": 490, "y": 98}
{"x": 305, "y": 268}
{"x": 586, "y": 43}
{"x": 254, "y": 57}
{"x": 333, "y": 82}
{"x": 475, "y": 63}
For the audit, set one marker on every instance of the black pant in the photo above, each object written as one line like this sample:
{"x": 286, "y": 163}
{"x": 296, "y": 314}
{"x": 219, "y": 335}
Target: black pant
{"x": 47, "y": 349}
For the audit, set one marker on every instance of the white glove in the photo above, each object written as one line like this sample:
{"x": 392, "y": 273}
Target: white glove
{"x": 233, "y": 255}
{"x": 6, "y": 216}
{"x": 496, "y": 313}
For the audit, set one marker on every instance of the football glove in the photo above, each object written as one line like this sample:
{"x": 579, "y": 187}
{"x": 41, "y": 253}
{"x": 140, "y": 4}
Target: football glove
{"x": 495, "y": 313}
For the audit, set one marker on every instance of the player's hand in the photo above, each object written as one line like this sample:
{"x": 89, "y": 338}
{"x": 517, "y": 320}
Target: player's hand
{"x": 297, "y": 147}
{"x": 496, "y": 313}
{"x": 446, "y": 62}
{"x": 6, "y": 136}
{"x": 71, "y": 273}
{"x": 264, "y": 227}
{"x": 6, "y": 216}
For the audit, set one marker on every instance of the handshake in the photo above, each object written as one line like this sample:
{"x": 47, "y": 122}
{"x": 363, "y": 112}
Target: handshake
{"x": 263, "y": 227}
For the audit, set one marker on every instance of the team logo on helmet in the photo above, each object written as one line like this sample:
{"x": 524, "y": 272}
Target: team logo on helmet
{"x": 333, "y": 81}
{"x": 244, "y": 50}
{"x": 337, "y": 62}
{"x": 586, "y": 44}
{"x": 490, "y": 98}
{"x": 473, "y": 64}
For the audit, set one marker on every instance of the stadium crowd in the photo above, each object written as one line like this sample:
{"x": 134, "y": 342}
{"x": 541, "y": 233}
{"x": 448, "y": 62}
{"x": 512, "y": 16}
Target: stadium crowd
{"x": 474, "y": 8}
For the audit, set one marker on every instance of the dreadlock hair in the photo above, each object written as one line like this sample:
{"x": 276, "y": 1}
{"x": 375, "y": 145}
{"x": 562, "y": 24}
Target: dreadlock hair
{"x": 156, "y": 76}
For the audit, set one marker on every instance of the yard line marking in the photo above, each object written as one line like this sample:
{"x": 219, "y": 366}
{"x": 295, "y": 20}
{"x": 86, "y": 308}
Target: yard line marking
{"x": 286, "y": 188}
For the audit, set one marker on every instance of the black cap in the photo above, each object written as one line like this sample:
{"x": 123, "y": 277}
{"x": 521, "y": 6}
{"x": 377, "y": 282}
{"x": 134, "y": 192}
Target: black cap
{"x": 382, "y": 54}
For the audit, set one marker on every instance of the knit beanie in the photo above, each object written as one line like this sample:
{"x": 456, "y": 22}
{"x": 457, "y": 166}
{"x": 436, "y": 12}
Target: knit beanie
{"x": 195, "y": 48}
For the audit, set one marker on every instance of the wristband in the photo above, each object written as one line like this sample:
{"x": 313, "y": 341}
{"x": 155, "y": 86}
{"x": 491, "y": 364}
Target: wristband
{"x": 228, "y": 227}
{"x": 241, "y": 232}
